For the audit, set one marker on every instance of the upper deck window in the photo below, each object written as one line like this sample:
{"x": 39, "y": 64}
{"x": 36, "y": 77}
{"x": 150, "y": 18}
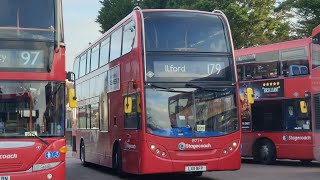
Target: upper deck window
{"x": 115, "y": 49}
{"x": 37, "y": 16}
{"x": 185, "y": 31}
{"x": 128, "y": 37}
{"x": 284, "y": 62}
{"x": 316, "y": 51}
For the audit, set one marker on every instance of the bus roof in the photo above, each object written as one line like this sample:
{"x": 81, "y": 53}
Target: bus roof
{"x": 177, "y": 10}
{"x": 104, "y": 35}
{"x": 316, "y": 31}
{"x": 273, "y": 47}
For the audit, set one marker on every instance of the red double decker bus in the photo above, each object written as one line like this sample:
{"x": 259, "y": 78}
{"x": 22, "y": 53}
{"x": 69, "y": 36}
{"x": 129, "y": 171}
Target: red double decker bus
{"x": 280, "y": 98}
{"x": 32, "y": 90}
{"x": 134, "y": 83}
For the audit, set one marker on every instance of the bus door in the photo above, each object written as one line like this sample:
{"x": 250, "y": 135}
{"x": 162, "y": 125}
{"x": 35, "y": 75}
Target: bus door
{"x": 132, "y": 129}
{"x": 297, "y": 134}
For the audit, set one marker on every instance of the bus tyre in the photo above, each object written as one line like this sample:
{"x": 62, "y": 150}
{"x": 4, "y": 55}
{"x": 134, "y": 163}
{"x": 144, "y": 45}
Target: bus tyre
{"x": 264, "y": 152}
{"x": 306, "y": 162}
{"x": 83, "y": 154}
{"x": 117, "y": 162}
{"x": 197, "y": 174}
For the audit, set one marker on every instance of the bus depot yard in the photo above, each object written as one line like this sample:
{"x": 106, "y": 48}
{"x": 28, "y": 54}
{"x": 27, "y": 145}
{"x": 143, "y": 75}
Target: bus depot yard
{"x": 282, "y": 170}
{"x": 161, "y": 94}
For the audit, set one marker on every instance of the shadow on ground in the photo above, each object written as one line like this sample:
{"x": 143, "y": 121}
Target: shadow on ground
{"x": 290, "y": 163}
{"x": 175, "y": 176}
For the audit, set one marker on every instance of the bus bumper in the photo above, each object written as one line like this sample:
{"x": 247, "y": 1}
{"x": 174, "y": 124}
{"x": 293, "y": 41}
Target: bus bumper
{"x": 155, "y": 164}
{"x": 57, "y": 173}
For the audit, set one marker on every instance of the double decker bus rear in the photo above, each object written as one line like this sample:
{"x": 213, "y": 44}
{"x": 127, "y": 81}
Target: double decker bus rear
{"x": 158, "y": 94}
{"x": 32, "y": 90}
{"x": 279, "y": 91}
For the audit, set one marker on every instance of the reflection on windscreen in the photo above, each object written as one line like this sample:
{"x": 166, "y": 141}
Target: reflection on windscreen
{"x": 34, "y": 14}
{"x": 28, "y": 108}
{"x": 184, "y": 31}
{"x": 196, "y": 113}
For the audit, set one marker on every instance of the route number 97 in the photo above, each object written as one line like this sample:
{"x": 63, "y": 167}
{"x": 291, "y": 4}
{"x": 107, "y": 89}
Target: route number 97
{"x": 214, "y": 68}
{"x": 29, "y": 57}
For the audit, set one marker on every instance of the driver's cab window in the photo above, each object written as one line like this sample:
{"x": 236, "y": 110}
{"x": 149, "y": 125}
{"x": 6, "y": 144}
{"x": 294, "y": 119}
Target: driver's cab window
{"x": 132, "y": 119}
{"x": 295, "y": 120}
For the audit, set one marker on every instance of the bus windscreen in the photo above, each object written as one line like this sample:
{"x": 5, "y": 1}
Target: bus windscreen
{"x": 186, "y": 32}
{"x": 32, "y": 19}
{"x": 31, "y": 107}
{"x": 189, "y": 112}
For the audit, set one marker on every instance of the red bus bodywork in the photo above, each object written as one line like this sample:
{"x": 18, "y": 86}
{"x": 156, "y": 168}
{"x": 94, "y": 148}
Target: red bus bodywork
{"x": 138, "y": 149}
{"x": 301, "y": 143}
{"x": 26, "y": 158}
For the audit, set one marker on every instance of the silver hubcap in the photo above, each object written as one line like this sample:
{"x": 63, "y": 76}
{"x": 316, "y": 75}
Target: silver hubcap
{"x": 82, "y": 153}
{"x": 264, "y": 151}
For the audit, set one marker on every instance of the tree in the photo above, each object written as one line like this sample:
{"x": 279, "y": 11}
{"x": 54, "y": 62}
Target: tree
{"x": 306, "y": 13}
{"x": 253, "y": 22}
{"x": 112, "y": 12}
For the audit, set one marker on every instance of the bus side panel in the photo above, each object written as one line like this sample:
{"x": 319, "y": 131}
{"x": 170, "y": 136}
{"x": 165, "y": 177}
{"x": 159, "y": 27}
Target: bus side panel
{"x": 315, "y": 73}
{"x": 247, "y": 141}
{"x": 289, "y": 145}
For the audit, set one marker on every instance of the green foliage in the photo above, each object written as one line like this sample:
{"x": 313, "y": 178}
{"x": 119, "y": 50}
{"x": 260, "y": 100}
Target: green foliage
{"x": 253, "y": 22}
{"x": 306, "y": 13}
{"x": 112, "y": 12}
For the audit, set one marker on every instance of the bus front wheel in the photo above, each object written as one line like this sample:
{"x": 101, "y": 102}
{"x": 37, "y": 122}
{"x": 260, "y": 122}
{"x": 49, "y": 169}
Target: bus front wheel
{"x": 197, "y": 174}
{"x": 117, "y": 161}
{"x": 83, "y": 154}
{"x": 264, "y": 152}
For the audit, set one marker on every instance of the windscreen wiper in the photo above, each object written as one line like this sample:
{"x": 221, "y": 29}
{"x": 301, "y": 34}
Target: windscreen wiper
{"x": 35, "y": 135}
{"x": 167, "y": 89}
{"x": 204, "y": 88}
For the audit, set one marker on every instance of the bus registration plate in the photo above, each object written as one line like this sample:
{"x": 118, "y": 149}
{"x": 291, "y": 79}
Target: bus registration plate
{"x": 195, "y": 168}
{"x": 4, "y": 177}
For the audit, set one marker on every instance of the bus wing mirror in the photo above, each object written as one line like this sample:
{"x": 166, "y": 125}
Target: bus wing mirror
{"x": 70, "y": 76}
{"x": 303, "y": 107}
{"x": 72, "y": 98}
{"x": 250, "y": 95}
{"x": 127, "y": 105}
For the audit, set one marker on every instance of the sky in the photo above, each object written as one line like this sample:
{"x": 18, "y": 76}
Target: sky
{"x": 80, "y": 27}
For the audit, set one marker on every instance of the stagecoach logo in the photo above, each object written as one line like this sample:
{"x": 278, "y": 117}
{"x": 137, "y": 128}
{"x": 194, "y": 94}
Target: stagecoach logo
{"x": 129, "y": 146}
{"x": 296, "y": 138}
{"x": 183, "y": 146}
{"x": 8, "y": 156}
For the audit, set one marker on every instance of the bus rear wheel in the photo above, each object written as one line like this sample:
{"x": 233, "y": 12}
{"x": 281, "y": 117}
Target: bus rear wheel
{"x": 83, "y": 154}
{"x": 306, "y": 162}
{"x": 264, "y": 152}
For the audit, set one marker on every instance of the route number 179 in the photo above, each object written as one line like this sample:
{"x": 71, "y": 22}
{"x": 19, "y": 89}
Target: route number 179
{"x": 214, "y": 68}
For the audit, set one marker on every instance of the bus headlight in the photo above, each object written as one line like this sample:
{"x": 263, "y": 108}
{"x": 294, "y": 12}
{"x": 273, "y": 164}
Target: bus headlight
{"x": 40, "y": 167}
{"x": 153, "y": 147}
{"x": 158, "y": 151}
{"x": 163, "y": 153}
